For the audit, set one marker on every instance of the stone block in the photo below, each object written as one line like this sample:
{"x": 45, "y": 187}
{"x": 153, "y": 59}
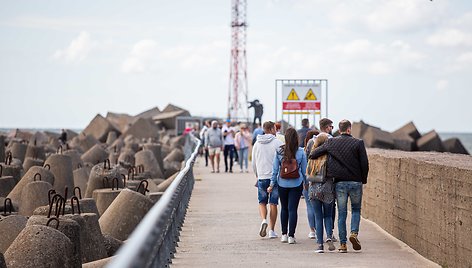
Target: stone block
{"x": 149, "y": 114}
{"x": 99, "y": 128}
{"x": 143, "y": 128}
{"x": 403, "y": 141}
{"x": 410, "y": 130}
{"x": 168, "y": 118}
{"x": 377, "y": 138}
{"x": 120, "y": 121}
{"x": 430, "y": 142}
{"x": 454, "y": 145}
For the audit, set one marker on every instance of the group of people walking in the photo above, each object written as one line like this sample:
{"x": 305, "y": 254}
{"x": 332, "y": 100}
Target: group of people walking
{"x": 233, "y": 141}
{"x": 324, "y": 169}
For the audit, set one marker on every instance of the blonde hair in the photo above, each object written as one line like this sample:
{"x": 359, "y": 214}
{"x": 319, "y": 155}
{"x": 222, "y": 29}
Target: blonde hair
{"x": 320, "y": 139}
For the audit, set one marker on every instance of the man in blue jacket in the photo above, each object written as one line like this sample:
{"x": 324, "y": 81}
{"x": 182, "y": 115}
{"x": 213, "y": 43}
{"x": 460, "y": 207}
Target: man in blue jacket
{"x": 348, "y": 165}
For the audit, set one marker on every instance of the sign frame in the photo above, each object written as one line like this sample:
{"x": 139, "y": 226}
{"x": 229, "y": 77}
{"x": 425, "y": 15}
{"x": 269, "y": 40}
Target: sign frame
{"x": 294, "y": 117}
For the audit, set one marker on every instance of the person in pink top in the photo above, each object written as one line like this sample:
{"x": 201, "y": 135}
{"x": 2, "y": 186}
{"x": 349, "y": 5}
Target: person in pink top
{"x": 242, "y": 140}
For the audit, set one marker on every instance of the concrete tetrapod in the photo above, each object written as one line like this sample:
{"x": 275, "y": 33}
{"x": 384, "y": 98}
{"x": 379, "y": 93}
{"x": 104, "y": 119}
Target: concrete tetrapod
{"x": 97, "y": 175}
{"x": 10, "y": 227}
{"x": 75, "y": 157}
{"x": 124, "y": 214}
{"x": 156, "y": 150}
{"x": 61, "y": 167}
{"x": 45, "y": 247}
{"x": 2, "y": 148}
{"x": 34, "y": 194}
{"x": 31, "y": 162}
{"x": 2, "y": 261}
{"x": 12, "y": 169}
{"x": 148, "y": 160}
{"x": 46, "y": 175}
{"x": 103, "y": 198}
{"x": 35, "y": 152}
{"x": 7, "y": 183}
{"x": 69, "y": 228}
{"x": 95, "y": 154}
{"x": 81, "y": 177}
{"x": 18, "y": 150}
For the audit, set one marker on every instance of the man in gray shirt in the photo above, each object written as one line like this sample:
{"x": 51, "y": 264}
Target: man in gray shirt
{"x": 214, "y": 144}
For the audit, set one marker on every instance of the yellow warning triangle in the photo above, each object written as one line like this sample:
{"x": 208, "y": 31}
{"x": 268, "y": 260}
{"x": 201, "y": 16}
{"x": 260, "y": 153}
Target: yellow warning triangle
{"x": 310, "y": 95}
{"x": 293, "y": 95}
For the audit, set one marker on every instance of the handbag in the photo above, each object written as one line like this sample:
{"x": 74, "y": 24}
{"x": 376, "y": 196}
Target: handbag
{"x": 289, "y": 169}
{"x": 323, "y": 192}
{"x": 313, "y": 175}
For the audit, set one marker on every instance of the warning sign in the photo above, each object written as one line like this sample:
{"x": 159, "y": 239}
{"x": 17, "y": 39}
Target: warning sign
{"x": 293, "y": 95}
{"x": 310, "y": 95}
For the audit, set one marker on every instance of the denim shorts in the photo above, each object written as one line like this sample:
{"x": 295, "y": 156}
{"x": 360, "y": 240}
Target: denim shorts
{"x": 262, "y": 194}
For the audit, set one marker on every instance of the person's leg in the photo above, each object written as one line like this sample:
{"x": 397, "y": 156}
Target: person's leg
{"x": 218, "y": 160}
{"x": 318, "y": 210}
{"x": 283, "y": 195}
{"x": 327, "y": 218}
{"x": 273, "y": 201}
{"x": 241, "y": 159}
{"x": 333, "y": 214}
{"x": 225, "y": 154}
{"x": 206, "y": 157}
{"x": 341, "y": 196}
{"x": 231, "y": 157}
{"x": 310, "y": 212}
{"x": 293, "y": 201}
{"x": 355, "y": 194}
{"x": 212, "y": 160}
{"x": 245, "y": 156}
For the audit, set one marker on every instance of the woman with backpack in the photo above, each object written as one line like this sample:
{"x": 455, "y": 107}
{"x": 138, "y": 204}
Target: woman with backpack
{"x": 289, "y": 175}
{"x": 321, "y": 194}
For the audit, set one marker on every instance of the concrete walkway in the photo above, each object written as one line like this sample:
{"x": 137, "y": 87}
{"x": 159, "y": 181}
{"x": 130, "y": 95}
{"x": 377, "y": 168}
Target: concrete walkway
{"x": 222, "y": 230}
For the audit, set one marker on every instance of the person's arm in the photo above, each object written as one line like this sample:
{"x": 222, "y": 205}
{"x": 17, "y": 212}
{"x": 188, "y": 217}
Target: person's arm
{"x": 207, "y": 138}
{"x": 322, "y": 150}
{"x": 364, "y": 161}
{"x": 275, "y": 171}
{"x": 237, "y": 140}
{"x": 303, "y": 168}
{"x": 253, "y": 157}
{"x": 222, "y": 141}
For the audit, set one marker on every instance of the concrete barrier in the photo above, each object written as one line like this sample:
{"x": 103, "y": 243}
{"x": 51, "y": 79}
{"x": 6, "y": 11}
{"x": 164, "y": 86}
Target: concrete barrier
{"x": 99, "y": 128}
{"x": 46, "y": 247}
{"x": 423, "y": 199}
{"x": 142, "y": 129}
{"x": 97, "y": 175}
{"x": 61, "y": 167}
{"x": 148, "y": 160}
{"x": 430, "y": 142}
{"x": 95, "y": 154}
{"x": 124, "y": 214}
{"x": 69, "y": 228}
{"x": 454, "y": 145}
{"x": 46, "y": 175}
{"x": 31, "y": 162}
{"x": 2, "y": 148}
{"x": 410, "y": 130}
{"x": 10, "y": 227}
{"x": 36, "y": 152}
{"x": 75, "y": 157}
{"x": 33, "y": 195}
{"x": 18, "y": 150}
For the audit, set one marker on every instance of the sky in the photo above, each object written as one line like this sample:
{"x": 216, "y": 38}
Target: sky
{"x": 387, "y": 62}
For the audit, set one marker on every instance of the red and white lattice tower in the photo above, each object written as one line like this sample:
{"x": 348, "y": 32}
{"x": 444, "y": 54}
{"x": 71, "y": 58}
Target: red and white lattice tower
{"x": 238, "y": 91}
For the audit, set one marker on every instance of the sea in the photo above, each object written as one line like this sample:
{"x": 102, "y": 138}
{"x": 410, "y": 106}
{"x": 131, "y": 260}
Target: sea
{"x": 465, "y": 138}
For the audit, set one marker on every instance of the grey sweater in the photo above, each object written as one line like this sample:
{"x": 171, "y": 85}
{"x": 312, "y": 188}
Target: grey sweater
{"x": 213, "y": 137}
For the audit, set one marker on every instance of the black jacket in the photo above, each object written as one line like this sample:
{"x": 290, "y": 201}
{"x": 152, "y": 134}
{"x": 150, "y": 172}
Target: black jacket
{"x": 347, "y": 158}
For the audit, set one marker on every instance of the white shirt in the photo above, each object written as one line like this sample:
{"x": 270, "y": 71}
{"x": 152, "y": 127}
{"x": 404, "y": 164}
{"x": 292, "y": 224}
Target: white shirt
{"x": 229, "y": 139}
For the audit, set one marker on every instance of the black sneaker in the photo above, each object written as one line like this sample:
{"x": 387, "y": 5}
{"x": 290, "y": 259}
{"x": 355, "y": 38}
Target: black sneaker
{"x": 320, "y": 249}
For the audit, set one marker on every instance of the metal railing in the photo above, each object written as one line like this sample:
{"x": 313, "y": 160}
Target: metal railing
{"x": 153, "y": 242}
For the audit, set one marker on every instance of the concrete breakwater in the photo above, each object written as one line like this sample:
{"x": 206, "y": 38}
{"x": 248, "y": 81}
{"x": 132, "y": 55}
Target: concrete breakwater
{"x": 425, "y": 200}
{"x": 406, "y": 138}
{"x": 75, "y": 203}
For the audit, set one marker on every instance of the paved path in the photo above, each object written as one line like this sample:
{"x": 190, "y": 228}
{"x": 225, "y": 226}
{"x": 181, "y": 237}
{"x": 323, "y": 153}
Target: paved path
{"x": 222, "y": 225}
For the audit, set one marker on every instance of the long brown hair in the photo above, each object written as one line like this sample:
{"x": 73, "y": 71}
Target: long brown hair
{"x": 310, "y": 134}
{"x": 291, "y": 143}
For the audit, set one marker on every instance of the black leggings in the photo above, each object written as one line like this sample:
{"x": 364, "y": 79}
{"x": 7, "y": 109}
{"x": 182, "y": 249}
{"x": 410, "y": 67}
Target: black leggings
{"x": 289, "y": 200}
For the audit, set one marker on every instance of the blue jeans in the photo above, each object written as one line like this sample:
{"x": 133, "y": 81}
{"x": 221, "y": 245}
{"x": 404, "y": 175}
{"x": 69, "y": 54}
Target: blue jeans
{"x": 310, "y": 211}
{"x": 263, "y": 196}
{"x": 323, "y": 213}
{"x": 243, "y": 156}
{"x": 229, "y": 150}
{"x": 289, "y": 200}
{"x": 353, "y": 190}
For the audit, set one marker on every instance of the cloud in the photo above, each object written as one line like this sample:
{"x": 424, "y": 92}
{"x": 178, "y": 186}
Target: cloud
{"x": 78, "y": 49}
{"x": 442, "y": 85}
{"x": 450, "y": 38}
{"x": 141, "y": 57}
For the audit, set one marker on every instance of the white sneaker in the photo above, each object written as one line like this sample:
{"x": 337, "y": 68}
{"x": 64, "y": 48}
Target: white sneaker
{"x": 291, "y": 240}
{"x": 272, "y": 234}
{"x": 284, "y": 238}
{"x": 312, "y": 235}
{"x": 263, "y": 229}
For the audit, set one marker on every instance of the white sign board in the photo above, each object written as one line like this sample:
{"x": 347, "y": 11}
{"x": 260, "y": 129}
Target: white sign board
{"x": 301, "y": 97}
